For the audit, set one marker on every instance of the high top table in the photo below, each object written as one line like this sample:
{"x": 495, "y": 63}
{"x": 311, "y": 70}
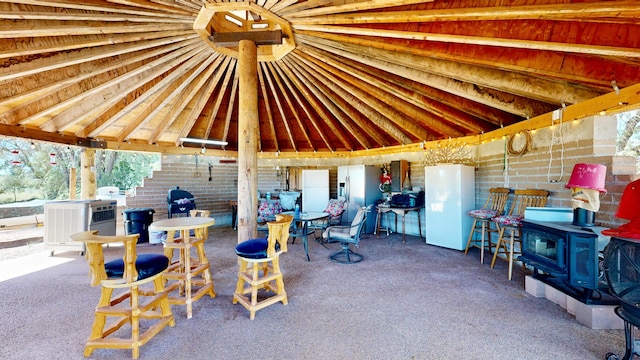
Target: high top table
{"x": 186, "y": 270}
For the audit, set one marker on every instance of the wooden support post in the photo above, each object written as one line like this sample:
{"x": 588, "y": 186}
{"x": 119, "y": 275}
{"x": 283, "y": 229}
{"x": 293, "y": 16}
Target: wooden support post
{"x": 72, "y": 183}
{"x": 88, "y": 186}
{"x": 247, "y": 141}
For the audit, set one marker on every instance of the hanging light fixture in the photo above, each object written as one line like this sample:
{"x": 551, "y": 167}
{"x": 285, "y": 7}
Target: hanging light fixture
{"x": 15, "y": 159}
{"x": 52, "y": 159}
{"x": 204, "y": 141}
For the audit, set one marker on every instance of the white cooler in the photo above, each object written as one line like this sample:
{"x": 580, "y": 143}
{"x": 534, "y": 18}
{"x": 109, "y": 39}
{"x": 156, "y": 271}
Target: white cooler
{"x": 549, "y": 214}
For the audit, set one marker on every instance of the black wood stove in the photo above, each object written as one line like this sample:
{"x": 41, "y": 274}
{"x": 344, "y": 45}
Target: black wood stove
{"x": 567, "y": 257}
{"x": 180, "y": 202}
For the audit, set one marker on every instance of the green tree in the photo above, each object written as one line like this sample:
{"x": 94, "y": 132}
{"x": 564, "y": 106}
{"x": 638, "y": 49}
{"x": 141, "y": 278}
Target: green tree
{"x": 36, "y": 172}
{"x": 125, "y": 170}
{"x": 13, "y": 182}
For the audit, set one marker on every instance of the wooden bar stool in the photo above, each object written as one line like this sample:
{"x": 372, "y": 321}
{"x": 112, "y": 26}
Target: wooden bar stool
{"x": 508, "y": 248}
{"x": 189, "y": 275}
{"x": 130, "y": 274}
{"x": 262, "y": 254}
{"x": 493, "y": 207}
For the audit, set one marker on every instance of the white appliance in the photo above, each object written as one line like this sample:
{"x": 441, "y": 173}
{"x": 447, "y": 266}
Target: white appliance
{"x": 315, "y": 190}
{"x": 359, "y": 185}
{"x": 449, "y": 195}
{"x": 63, "y": 218}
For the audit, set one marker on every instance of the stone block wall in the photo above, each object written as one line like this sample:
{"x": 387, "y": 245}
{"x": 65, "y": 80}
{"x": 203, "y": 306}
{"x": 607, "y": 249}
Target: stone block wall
{"x": 548, "y": 165}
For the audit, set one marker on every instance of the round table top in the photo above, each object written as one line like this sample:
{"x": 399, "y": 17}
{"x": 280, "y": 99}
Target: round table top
{"x": 180, "y": 223}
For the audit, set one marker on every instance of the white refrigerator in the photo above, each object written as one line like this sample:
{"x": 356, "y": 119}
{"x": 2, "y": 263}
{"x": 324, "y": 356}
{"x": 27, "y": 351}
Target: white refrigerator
{"x": 449, "y": 195}
{"x": 358, "y": 185}
{"x": 315, "y": 190}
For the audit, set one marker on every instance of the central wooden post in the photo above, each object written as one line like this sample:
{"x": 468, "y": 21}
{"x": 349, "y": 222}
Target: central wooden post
{"x": 248, "y": 141}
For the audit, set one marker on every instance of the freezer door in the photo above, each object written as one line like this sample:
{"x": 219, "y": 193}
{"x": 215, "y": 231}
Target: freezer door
{"x": 450, "y": 194}
{"x": 315, "y": 190}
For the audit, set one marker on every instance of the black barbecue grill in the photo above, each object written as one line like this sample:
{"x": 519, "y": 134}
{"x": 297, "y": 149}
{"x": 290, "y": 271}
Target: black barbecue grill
{"x": 180, "y": 202}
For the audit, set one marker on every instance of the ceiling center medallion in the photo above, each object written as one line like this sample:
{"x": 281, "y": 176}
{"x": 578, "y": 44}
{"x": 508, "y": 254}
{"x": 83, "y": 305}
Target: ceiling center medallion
{"x": 244, "y": 18}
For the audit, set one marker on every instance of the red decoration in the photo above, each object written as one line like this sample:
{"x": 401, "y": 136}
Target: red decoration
{"x": 16, "y": 159}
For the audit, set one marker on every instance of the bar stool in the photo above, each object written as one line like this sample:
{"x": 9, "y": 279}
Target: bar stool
{"x": 132, "y": 291}
{"x": 262, "y": 254}
{"x": 506, "y": 248}
{"x": 493, "y": 207}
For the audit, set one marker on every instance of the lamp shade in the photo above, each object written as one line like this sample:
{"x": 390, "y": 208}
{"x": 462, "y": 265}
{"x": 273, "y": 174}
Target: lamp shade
{"x": 588, "y": 176}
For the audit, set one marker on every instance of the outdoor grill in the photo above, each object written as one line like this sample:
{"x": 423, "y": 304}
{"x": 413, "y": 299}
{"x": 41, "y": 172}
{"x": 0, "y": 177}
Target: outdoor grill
{"x": 180, "y": 202}
{"x": 622, "y": 267}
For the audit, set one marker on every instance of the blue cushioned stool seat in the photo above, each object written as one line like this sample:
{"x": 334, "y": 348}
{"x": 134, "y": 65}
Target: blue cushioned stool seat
{"x": 254, "y": 248}
{"x": 146, "y": 264}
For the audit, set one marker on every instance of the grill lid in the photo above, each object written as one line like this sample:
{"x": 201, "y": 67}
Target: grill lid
{"x": 177, "y": 194}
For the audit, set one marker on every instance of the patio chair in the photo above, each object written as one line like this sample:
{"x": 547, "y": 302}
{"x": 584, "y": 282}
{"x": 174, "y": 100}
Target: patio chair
{"x": 347, "y": 235}
{"x": 508, "y": 248}
{"x": 262, "y": 254}
{"x": 335, "y": 208}
{"x": 493, "y": 207}
{"x": 127, "y": 275}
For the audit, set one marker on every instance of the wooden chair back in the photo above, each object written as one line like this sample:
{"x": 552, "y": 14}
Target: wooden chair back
{"x": 528, "y": 198}
{"x": 199, "y": 213}
{"x": 278, "y": 233}
{"x": 497, "y": 199}
{"x": 201, "y": 233}
{"x": 95, "y": 256}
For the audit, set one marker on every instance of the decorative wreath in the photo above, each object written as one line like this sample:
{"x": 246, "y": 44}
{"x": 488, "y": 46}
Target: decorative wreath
{"x": 525, "y": 147}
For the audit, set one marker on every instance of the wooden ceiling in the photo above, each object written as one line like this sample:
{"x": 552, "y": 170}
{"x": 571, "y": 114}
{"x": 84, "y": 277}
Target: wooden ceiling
{"x": 363, "y": 74}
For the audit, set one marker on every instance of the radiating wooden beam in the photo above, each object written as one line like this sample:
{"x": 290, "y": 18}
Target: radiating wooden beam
{"x": 322, "y": 89}
{"x": 300, "y": 94}
{"x": 584, "y": 49}
{"x": 351, "y": 7}
{"x": 268, "y": 76}
{"x": 284, "y": 89}
{"x": 403, "y": 89}
{"x": 63, "y": 60}
{"x": 266, "y": 105}
{"x": 103, "y": 7}
{"x": 319, "y": 104}
{"x": 609, "y": 11}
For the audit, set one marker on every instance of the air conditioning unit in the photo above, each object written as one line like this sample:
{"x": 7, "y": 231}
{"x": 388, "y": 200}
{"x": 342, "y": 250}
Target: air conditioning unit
{"x": 63, "y": 218}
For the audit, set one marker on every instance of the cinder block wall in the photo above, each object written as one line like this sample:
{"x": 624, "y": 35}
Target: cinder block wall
{"x": 548, "y": 165}
{"x": 590, "y": 140}
{"x": 214, "y": 194}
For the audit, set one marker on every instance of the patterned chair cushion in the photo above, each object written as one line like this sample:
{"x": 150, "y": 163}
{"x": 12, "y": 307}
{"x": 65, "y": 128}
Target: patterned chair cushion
{"x": 334, "y": 208}
{"x": 267, "y": 211}
{"x": 509, "y": 220}
{"x": 483, "y": 213}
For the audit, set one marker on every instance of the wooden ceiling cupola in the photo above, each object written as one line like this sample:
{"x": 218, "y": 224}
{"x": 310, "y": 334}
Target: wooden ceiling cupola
{"x": 223, "y": 25}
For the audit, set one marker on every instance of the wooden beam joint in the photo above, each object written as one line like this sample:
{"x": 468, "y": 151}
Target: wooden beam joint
{"x": 232, "y": 39}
